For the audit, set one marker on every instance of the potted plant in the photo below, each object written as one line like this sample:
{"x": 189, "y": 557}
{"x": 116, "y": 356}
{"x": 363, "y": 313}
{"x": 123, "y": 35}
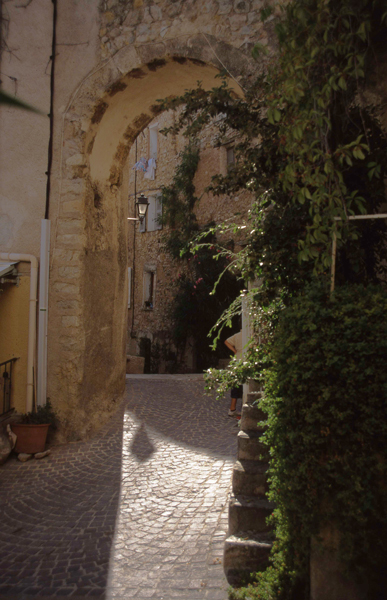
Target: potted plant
{"x": 32, "y": 431}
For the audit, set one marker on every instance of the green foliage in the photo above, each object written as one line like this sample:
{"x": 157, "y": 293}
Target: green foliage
{"x": 195, "y": 308}
{"x": 305, "y": 130}
{"x": 257, "y": 355}
{"x": 325, "y": 396}
{"x": 179, "y": 200}
{"x": 322, "y": 361}
{"x": 271, "y": 584}
{"x": 265, "y": 586}
{"x": 42, "y": 415}
{"x": 318, "y": 154}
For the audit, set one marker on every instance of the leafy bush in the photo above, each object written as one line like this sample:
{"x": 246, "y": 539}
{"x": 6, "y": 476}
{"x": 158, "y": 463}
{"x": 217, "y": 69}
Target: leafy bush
{"x": 195, "y": 308}
{"x": 42, "y": 415}
{"x": 326, "y": 399}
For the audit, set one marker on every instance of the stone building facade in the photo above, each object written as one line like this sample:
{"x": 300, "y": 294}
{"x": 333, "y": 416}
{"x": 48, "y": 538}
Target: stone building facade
{"x": 152, "y": 271}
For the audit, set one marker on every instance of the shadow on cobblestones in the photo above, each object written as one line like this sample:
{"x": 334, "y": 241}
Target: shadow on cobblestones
{"x": 58, "y": 518}
{"x": 141, "y": 446}
{"x": 179, "y": 409}
{"x": 137, "y": 512}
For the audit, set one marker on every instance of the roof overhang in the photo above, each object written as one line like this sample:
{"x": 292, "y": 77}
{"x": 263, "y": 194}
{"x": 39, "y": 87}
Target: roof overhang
{"x": 7, "y": 268}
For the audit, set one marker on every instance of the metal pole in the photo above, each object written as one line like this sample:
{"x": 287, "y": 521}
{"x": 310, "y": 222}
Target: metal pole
{"x": 43, "y": 312}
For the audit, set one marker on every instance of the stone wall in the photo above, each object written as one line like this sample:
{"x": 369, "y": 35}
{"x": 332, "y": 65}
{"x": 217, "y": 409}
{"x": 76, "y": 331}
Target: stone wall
{"x": 236, "y": 22}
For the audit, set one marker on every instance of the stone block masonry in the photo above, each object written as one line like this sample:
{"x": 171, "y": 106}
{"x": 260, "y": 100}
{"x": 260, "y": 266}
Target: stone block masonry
{"x": 236, "y": 22}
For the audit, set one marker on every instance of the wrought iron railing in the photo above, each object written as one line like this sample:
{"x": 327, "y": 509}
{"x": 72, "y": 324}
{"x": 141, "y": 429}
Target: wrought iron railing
{"x": 6, "y": 385}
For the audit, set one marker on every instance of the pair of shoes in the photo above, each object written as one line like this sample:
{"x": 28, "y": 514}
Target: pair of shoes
{"x": 234, "y": 413}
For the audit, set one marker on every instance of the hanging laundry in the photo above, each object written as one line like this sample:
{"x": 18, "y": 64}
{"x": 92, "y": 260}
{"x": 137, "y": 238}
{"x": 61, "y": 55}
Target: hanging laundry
{"x": 151, "y": 168}
{"x": 141, "y": 165}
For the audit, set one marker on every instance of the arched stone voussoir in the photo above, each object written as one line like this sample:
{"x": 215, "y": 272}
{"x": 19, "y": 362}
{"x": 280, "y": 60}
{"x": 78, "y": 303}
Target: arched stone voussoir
{"x": 130, "y": 103}
{"x": 92, "y": 95}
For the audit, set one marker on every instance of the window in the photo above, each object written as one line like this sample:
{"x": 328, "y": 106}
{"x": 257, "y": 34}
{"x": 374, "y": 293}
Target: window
{"x": 155, "y": 211}
{"x": 230, "y": 156}
{"x": 149, "y": 288}
{"x": 153, "y": 131}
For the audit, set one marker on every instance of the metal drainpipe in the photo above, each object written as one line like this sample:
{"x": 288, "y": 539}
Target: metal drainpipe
{"x": 31, "y": 320}
{"x": 45, "y": 238}
{"x": 43, "y": 312}
{"x": 51, "y": 114}
{"x": 134, "y": 249}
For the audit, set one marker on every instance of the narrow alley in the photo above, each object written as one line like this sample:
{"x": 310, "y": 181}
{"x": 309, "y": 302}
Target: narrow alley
{"x": 138, "y": 512}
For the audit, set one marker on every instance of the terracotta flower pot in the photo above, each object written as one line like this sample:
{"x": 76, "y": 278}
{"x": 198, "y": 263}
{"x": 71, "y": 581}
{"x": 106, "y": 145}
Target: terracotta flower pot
{"x": 31, "y": 438}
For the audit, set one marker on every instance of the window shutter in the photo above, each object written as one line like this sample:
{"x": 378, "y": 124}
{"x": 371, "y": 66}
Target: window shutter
{"x": 230, "y": 156}
{"x": 152, "y": 214}
{"x": 153, "y": 141}
{"x": 147, "y": 287}
{"x": 159, "y": 213}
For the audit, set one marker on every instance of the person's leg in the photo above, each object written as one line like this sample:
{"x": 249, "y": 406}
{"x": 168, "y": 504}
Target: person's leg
{"x": 234, "y": 398}
{"x": 233, "y": 403}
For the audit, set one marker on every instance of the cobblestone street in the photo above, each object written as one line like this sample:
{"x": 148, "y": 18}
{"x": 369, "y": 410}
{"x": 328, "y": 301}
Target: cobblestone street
{"x": 138, "y": 512}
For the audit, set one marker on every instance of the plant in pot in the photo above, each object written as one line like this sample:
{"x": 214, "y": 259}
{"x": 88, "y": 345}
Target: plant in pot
{"x": 32, "y": 431}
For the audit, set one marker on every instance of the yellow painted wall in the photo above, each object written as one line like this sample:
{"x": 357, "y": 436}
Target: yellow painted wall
{"x": 14, "y": 309}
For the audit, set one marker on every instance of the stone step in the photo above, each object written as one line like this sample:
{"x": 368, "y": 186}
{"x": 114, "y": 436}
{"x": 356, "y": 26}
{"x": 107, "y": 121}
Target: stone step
{"x": 245, "y": 553}
{"x": 249, "y": 478}
{"x": 250, "y": 448}
{"x": 248, "y": 513}
{"x": 253, "y": 397}
{"x": 254, "y": 386}
{"x": 251, "y": 416}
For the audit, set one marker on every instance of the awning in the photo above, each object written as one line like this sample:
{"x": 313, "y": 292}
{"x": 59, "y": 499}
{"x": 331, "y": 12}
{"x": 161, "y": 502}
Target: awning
{"x": 6, "y": 268}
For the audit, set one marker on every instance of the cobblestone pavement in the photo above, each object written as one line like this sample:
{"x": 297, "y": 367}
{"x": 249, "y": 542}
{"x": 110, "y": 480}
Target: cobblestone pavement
{"x": 138, "y": 512}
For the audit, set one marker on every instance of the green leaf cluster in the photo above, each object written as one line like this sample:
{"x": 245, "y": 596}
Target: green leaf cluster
{"x": 326, "y": 399}
{"x": 178, "y": 200}
{"x": 42, "y": 415}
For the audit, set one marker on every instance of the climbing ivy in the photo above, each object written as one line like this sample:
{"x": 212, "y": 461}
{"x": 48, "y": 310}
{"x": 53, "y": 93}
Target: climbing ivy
{"x": 325, "y": 399}
{"x": 325, "y": 395}
{"x": 179, "y": 199}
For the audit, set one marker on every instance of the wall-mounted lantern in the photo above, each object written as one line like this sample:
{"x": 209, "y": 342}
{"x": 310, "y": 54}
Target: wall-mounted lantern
{"x": 141, "y": 207}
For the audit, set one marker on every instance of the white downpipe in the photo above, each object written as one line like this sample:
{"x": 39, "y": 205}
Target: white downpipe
{"x": 245, "y": 339}
{"x": 43, "y": 312}
{"x": 32, "y": 318}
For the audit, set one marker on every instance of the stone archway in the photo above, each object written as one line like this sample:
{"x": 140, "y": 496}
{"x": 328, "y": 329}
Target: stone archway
{"x": 87, "y": 343}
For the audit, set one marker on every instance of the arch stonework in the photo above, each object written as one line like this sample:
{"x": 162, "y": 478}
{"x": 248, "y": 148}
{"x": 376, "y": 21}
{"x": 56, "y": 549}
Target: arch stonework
{"x": 88, "y": 288}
